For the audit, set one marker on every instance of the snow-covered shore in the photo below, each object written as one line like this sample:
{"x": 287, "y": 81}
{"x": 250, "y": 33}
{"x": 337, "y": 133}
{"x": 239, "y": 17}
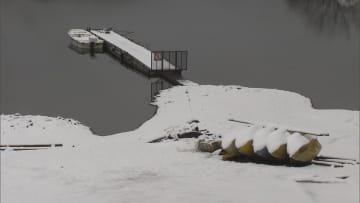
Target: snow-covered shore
{"x": 125, "y": 168}
{"x": 213, "y": 106}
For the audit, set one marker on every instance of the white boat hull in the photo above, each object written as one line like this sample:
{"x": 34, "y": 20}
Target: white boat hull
{"x": 85, "y": 40}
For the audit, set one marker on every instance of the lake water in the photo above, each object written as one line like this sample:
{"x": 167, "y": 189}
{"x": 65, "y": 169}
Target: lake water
{"x": 306, "y": 46}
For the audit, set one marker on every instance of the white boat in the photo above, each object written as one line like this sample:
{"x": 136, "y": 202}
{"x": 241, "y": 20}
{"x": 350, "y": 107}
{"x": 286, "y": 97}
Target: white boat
{"x": 85, "y": 40}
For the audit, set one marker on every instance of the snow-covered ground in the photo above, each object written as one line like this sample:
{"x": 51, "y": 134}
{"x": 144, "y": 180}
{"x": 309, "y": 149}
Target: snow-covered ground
{"x": 125, "y": 168}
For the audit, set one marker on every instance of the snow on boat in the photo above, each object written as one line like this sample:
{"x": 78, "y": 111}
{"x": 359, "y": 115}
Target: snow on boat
{"x": 302, "y": 148}
{"x": 244, "y": 141}
{"x": 83, "y": 39}
{"x": 271, "y": 144}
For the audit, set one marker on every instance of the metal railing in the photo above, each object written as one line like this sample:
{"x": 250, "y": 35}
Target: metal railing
{"x": 169, "y": 60}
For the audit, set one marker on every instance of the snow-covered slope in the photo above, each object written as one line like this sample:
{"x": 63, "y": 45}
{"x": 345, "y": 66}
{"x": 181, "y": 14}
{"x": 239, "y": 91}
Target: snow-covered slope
{"x": 213, "y": 106}
{"x": 125, "y": 168}
{"x": 28, "y": 129}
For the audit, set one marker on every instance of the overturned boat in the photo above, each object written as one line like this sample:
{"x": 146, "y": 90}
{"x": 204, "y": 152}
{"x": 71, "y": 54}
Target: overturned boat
{"x": 267, "y": 144}
{"x": 85, "y": 41}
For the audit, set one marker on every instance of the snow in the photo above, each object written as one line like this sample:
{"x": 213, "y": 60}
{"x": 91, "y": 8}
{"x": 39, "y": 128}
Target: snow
{"x": 260, "y": 137}
{"x": 141, "y": 53}
{"x": 83, "y": 36}
{"x": 19, "y": 129}
{"x": 295, "y": 141}
{"x": 125, "y": 168}
{"x": 137, "y": 51}
{"x": 213, "y": 106}
{"x": 276, "y": 139}
{"x": 229, "y": 137}
{"x": 246, "y": 135}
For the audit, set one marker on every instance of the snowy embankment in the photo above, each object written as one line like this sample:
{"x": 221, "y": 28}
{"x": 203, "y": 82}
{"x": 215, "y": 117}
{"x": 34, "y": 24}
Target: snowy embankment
{"x": 125, "y": 168}
{"x": 19, "y": 129}
{"x": 213, "y": 106}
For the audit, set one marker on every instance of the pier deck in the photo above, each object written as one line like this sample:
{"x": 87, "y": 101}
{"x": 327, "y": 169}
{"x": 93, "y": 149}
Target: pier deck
{"x": 140, "y": 53}
{"x": 152, "y": 62}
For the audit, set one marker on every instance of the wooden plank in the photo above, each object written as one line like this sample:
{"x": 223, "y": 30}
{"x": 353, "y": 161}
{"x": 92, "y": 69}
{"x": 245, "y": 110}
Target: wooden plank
{"x": 332, "y": 157}
{"x": 337, "y": 160}
{"x": 321, "y": 163}
{"x": 27, "y": 149}
{"x": 30, "y": 145}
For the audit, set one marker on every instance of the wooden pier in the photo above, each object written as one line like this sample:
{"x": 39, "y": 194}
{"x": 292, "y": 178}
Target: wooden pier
{"x": 165, "y": 64}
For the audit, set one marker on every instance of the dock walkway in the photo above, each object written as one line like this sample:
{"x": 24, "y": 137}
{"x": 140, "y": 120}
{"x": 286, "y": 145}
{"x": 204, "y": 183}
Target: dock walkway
{"x": 152, "y": 62}
{"x": 140, "y": 53}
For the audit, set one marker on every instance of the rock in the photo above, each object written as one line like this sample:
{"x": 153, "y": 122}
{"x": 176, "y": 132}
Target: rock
{"x": 191, "y": 134}
{"x": 209, "y": 145}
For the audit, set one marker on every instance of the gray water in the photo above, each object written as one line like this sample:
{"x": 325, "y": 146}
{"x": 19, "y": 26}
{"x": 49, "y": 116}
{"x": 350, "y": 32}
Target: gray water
{"x": 307, "y": 46}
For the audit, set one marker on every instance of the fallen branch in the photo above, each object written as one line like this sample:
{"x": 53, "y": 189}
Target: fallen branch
{"x": 22, "y": 147}
{"x": 32, "y": 145}
{"x": 27, "y": 149}
{"x": 339, "y": 158}
{"x": 318, "y": 181}
{"x": 321, "y": 163}
{"x": 337, "y": 161}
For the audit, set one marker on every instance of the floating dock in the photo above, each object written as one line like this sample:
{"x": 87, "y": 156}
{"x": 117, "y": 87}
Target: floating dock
{"x": 165, "y": 64}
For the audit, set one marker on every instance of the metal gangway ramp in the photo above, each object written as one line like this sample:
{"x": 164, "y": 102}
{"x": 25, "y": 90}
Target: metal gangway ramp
{"x": 139, "y": 57}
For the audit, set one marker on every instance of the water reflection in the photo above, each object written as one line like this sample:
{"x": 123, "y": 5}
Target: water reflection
{"x": 329, "y": 16}
{"x": 79, "y": 50}
{"x": 157, "y": 85}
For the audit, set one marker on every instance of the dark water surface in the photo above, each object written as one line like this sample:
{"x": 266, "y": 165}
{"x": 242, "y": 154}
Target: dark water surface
{"x": 307, "y": 46}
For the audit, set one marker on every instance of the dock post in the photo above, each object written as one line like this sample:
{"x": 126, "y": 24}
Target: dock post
{"x": 162, "y": 61}
{"x": 92, "y": 48}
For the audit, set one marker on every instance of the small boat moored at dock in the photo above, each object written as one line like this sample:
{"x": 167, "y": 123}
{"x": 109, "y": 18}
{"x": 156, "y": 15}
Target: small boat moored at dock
{"x": 85, "y": 41}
